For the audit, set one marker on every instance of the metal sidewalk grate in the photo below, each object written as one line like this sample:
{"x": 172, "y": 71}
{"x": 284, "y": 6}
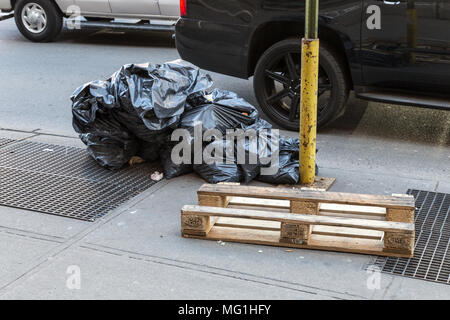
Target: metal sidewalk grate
{"x": 4, "y": 142}
{"x": 431, "y": 254}
{"x": 66, "y": 181}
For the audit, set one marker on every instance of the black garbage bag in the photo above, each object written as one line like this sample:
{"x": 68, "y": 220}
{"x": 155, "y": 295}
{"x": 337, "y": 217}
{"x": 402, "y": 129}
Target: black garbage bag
{"x": 290, "y": 145}
{"x": 141, "y": 130}
{"x": 203, "y": 108}
{"x": 221, "y": 110}
{"x": 140, "y": 101}
{"x": 149, "y": 151}
{"x": 110, "y": 151}
{"x": 225, "y": 168}
{"x": 257, "y": 147}
{"x": 289, "y": 164}
{"x": 135, "y": 111}
{"x": 172, "y": 170}
{"x": 288, "y": 171}
{"x": 107, "y": 141}
{"x": 157, "y": 93}
{"x": 88, "y": 102}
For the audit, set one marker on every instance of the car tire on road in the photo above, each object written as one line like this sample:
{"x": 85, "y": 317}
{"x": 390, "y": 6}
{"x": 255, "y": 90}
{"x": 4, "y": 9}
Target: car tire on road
{"x": 277, "y": 84}
{"x": 38, "y": 20}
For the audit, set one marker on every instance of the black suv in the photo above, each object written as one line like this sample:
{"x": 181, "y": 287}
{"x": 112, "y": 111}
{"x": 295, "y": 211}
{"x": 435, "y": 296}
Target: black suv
{"x": 394, "y": 51}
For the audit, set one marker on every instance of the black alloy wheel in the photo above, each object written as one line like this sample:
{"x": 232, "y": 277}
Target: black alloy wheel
{"x": 277, "y": 84}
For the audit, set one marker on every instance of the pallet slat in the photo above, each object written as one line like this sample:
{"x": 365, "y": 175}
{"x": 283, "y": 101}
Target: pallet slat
{"x": 351, "y": 215}
{"x": 347, "y": 232}
{"x": 271, "y": 238}
{"x": 387, "y": 226}
{"x": 248, "y": 224}
{"x": 349, "y": 209}
{"x": 255, "y": 202}
{"x": 305, "y": 195}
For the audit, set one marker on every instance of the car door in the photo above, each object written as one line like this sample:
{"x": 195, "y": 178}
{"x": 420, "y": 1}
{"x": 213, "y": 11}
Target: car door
{"x": 428, "y": 41}
{"x": 94, "y": 6}
{"x": 408, "y": 47}
{"x": 137, "y": 8}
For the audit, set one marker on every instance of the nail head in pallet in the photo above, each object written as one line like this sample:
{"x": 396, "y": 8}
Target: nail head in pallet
{"x": 358, "y": 223}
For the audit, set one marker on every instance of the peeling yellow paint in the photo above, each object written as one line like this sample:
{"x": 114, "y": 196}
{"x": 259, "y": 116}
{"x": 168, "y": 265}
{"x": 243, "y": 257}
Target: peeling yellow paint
{"x": 308, "y": 110}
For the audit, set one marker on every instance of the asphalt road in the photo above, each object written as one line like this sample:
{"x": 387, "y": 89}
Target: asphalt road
{"x": 37, "y": 79}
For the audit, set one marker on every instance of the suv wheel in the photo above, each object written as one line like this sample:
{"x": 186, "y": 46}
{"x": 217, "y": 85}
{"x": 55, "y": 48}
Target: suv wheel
{"x": 277, "y": 84}
{"x": 38, "y": 20}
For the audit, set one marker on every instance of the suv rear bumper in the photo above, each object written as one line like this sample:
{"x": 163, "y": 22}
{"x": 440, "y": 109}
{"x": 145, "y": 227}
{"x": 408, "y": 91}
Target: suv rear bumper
{"x": 214, "y": 46}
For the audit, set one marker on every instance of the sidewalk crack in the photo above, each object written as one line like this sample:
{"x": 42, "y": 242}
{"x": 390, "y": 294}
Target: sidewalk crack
{"x": 291, "y": 285}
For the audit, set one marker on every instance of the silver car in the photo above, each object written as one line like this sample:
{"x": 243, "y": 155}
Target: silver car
{"x": 42, "y": 20}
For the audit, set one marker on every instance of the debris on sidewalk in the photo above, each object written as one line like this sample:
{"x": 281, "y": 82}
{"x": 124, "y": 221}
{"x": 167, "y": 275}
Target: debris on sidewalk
{"x": 130, "y": 117}
{"x": 157, "y": 176}
{"x": 135, "y": 160}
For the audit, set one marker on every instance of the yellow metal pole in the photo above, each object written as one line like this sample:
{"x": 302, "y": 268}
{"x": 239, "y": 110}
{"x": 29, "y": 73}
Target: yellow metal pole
{"x": 309, "y": 89}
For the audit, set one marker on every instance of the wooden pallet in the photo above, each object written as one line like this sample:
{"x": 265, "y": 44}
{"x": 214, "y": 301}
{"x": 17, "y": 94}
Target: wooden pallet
{"x": 357, "y": 223}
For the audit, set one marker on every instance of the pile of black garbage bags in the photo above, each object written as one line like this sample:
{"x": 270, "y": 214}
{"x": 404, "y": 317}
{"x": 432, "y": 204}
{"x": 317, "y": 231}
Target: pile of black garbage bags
{"x": 135, "y": 113}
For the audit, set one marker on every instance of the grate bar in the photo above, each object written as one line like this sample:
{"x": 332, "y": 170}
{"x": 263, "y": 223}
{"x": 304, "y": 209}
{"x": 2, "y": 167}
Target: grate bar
{"x": 431, "y": 260}
{"x": 5, "y": 142}
{"x": 65, "y": 181}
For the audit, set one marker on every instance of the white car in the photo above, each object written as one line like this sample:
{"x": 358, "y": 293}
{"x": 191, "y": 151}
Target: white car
{"x": 42, "y": 20}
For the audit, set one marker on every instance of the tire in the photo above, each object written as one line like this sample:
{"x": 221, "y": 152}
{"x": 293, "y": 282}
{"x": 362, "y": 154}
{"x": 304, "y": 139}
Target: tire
{"x": 38, "y": 20}
{"x": 277, "y": 86}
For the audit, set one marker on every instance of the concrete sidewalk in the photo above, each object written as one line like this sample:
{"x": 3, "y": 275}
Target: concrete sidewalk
{"x": 137, "y": 251}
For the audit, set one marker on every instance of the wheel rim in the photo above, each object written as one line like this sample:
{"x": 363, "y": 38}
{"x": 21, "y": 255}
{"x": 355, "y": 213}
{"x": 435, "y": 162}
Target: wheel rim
{"x": 34, "y": 18}
{"x": 282, "y": 86}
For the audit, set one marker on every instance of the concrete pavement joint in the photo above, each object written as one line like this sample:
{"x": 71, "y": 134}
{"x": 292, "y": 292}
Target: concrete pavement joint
{"x": 46, "y": 259}
{"x": 386, "y": 290}
{"x": 204, "y": 271}
{"x": 31, "y": 235}
{"x": 437, "y": 186}
{"x": 35, "y": 131}
{"x": 16, "y": 141}
{"x": 56, "y": 135}
{"x": 217, "y": 271}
